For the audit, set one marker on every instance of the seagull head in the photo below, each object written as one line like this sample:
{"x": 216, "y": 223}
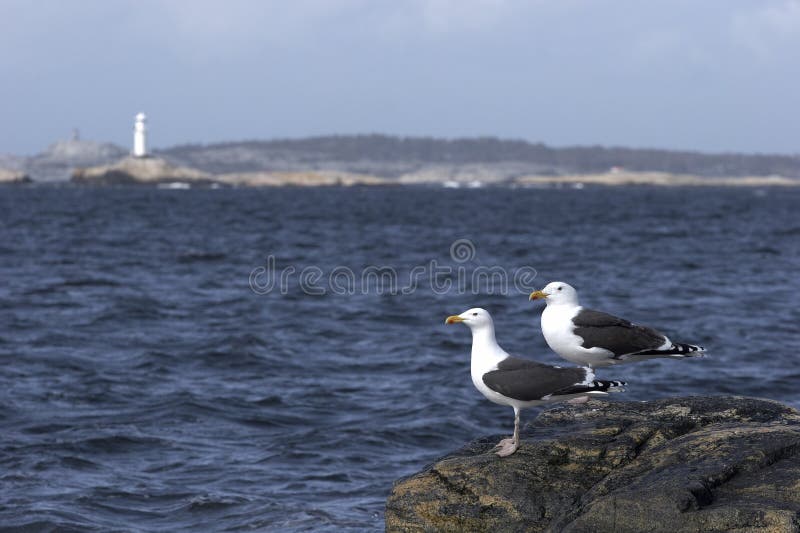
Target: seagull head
{"x": 557, "y": 292}
{"x": 474, "y": 318}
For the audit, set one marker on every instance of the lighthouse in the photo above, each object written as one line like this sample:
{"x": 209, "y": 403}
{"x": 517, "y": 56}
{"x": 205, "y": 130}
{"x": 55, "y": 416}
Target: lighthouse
{"x": 140, "y": 136}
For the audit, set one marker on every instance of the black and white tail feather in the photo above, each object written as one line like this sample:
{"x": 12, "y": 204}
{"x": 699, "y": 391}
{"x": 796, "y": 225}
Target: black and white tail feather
{"x": 608, "y": 386}
{"x": 596, "y": 386}
{"x": 677, "y": 350}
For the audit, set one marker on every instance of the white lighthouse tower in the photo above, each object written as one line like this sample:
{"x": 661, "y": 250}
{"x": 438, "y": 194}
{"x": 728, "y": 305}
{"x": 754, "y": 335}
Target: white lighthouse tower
{"x": 140, "y": 136}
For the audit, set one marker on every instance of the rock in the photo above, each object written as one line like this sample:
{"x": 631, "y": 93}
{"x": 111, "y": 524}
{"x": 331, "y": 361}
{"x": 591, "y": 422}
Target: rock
{"x": 671, "y": 465}
{"x": 663, "y": 179}
{"x": 8, "y": 176}
{"x": 157, "y": 171}
{"x": 77, "y": 151}
{"x": 318, "y": 178}
{"x": 56, "y": 162}
{"x": 140, "y": 170}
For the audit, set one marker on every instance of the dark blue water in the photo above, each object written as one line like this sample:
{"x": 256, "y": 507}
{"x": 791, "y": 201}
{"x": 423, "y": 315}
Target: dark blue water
{"x": 145, "y": 386}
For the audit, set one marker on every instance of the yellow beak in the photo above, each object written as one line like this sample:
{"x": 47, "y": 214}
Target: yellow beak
{"x": 537, "y": 295}
{"x": 454, "y": 319}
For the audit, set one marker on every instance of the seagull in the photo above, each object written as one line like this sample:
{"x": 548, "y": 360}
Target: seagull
{"x": 521, "y": 383}
{"x": 596, "y": 339}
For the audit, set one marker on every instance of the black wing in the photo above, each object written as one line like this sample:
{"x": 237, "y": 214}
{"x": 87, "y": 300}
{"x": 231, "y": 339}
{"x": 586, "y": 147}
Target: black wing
{"x": 615, "y": 334}
{"x": 528, "y": 380}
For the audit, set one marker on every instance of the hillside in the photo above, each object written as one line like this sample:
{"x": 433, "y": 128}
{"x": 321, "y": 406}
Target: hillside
{"x": 393, "y": 156}
{"x": 409, "y": 159}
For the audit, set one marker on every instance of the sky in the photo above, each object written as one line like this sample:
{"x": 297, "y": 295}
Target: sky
{"x": 711, "y": 75}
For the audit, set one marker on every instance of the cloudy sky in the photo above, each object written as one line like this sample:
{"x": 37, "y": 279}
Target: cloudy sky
{"x": 711, "y": 75}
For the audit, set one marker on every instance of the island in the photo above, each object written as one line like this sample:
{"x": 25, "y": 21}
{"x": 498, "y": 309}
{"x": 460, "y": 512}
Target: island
{"x": 367, "y": 160}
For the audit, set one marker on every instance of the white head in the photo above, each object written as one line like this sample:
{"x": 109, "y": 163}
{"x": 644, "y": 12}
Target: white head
{"x": 557, "y": 292}
{"x": 476, "y": 318}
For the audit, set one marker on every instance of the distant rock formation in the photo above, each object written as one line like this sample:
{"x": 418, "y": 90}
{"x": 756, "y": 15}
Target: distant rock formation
{"x": 60, "y": 158}
{"x": 673, "y": 465}
{"x": 8, "y": 176}
{"x": 78, "y": 151}
{"x": 662, "y": 179}
{"x": 157, "y": 171}
{"x": 140, "y": 170}
{"x": 300, "y": 179}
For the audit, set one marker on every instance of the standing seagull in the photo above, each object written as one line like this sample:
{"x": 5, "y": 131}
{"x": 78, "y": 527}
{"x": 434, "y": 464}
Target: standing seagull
{"x": 521, "y": 383}
{"x": 596, "y": 339}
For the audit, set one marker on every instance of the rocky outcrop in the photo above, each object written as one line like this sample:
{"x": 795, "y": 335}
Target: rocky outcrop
{"x": 75, "y": 151}
{"x": 300, "y": 179}
{"x": 59, "y": 159}
{"x": 662, "y": 179}
{"x": 157, "y": 171}
{"x": 140, "y": 170}
{"x": 672, "y": 465}
{"x": 13, "y": 176}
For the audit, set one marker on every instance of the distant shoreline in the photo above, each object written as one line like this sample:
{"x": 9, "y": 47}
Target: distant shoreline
{"x": 154, "y": 171}
{"x": 661, "y": 179}
{"x": 384, "y": 159}
{"x": 322, "y": 179}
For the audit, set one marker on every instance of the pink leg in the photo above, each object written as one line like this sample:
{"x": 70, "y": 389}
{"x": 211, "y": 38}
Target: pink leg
{"x": 506, "y": 447}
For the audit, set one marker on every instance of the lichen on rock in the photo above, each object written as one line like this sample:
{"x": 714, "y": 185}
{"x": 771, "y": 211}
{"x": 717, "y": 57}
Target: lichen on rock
{"x": 678, "y": 464}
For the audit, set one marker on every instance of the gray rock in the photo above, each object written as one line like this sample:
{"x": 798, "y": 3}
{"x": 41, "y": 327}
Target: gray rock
{"x": 58, "y": 160}
{"x": 672, "y": 465}
{"x": 140, "y": 170}
{"x": 9, "y": 176}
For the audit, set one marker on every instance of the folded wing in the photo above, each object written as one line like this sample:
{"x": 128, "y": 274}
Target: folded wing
{"x": 617, "y": 335}
{"x": 525, "y": 380}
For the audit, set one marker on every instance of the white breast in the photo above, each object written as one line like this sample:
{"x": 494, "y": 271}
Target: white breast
{"x": 481, "y": 363}
{"x": 557, "y": 328}
{"x": 477, "y": 380}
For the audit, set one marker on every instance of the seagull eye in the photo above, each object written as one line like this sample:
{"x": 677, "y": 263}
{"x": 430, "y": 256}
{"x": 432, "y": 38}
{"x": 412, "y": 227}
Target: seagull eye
{"x": 474, "y": 314}
{"x": 560, "y": 288}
